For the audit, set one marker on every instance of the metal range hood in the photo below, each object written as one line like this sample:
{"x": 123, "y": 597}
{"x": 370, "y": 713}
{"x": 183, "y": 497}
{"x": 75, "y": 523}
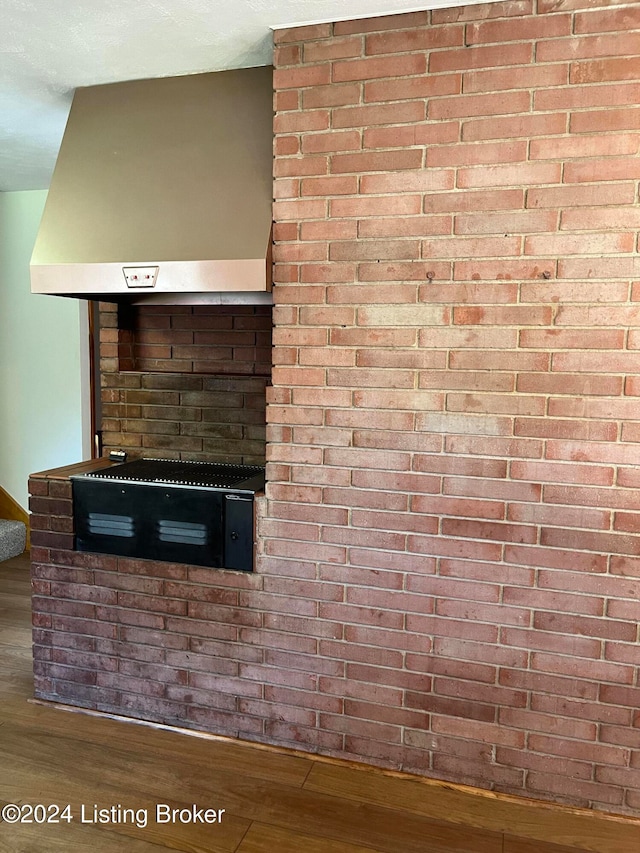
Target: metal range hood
{"x": 162, "y": 192}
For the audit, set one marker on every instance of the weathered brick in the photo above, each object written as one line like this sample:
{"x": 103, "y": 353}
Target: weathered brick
{"x": 454, "y": 390}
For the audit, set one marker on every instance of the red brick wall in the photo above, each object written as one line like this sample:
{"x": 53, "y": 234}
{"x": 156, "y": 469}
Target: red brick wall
{"x": 185, "y": 382}
{"x": 450, "y": 568}
{"x": 150, "y": 640}
{"x": 454, "y": 424}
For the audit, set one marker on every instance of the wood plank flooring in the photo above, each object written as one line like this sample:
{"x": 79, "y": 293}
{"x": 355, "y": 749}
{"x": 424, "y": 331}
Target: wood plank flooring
{"x": 274, "y": 801}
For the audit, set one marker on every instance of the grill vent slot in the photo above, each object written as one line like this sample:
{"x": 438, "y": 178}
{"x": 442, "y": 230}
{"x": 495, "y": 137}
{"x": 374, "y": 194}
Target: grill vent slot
{"x": 184, "y": 532}
{"x": 102, "y": 524}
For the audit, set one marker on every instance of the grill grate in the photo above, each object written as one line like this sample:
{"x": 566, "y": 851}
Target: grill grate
{"x": 180, "y": 473}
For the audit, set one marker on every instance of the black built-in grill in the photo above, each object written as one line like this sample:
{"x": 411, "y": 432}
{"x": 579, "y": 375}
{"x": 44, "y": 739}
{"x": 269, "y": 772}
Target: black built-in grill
{"x": 189, "y": 512}
{"x": 206, "y": 475}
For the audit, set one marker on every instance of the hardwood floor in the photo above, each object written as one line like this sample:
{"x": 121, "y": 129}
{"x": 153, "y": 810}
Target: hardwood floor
{"x": 274, "y": 801}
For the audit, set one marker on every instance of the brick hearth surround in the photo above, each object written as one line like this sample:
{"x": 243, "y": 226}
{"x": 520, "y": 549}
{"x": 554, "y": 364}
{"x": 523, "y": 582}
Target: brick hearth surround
{"x": 448, "y": 576}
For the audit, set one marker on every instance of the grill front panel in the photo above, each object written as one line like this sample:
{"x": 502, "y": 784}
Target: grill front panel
{"x": 184, "y": 512}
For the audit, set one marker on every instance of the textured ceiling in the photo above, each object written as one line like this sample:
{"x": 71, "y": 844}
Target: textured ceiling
{"x": 50, "y": 47}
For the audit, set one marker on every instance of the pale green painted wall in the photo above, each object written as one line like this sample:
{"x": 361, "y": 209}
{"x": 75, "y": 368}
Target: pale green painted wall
{"x": 40, "y": 372}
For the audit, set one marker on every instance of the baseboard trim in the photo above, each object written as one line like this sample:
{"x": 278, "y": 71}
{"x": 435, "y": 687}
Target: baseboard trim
{"x": 11, "y": 510}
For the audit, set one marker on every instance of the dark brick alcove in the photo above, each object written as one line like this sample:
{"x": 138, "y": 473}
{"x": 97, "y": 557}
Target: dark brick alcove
{"x": 185, "y": 381}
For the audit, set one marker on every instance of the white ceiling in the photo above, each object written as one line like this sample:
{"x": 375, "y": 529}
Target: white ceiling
{"x": 50, "y": 47}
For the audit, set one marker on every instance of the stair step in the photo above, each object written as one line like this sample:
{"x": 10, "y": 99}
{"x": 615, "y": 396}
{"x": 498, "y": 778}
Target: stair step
{"x": 13, "y": 539}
